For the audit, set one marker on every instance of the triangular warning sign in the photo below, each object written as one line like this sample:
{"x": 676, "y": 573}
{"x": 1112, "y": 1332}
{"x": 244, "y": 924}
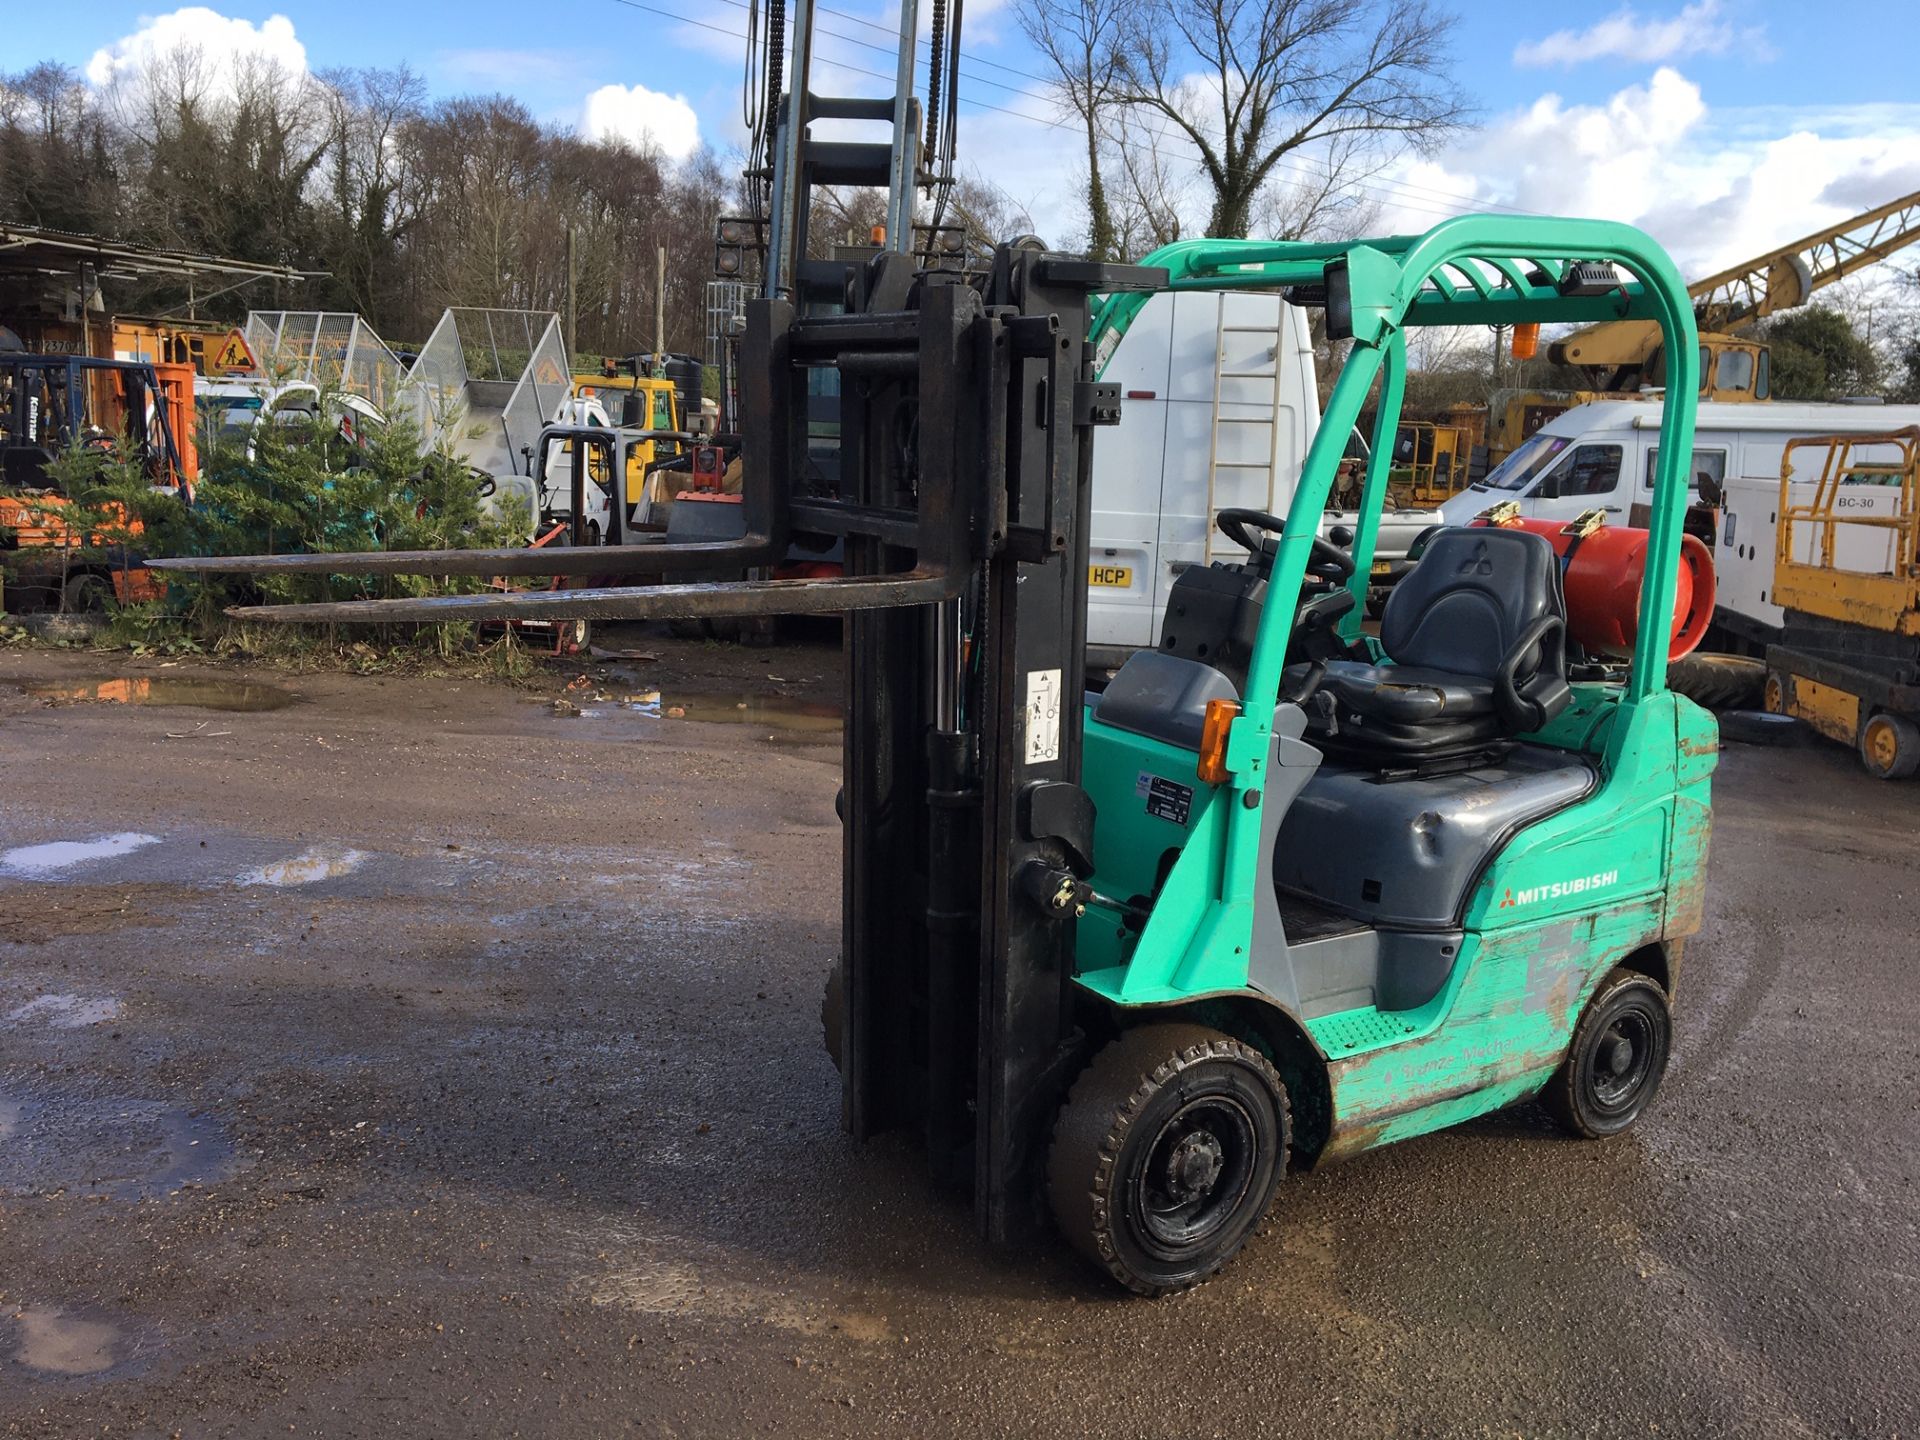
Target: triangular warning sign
{"x": 233, "y": 356}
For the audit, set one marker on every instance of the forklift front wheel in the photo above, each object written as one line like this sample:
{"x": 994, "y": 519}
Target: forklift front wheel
{"x": 1167, "y": 1153}
{"x": 1618, "y": 1056}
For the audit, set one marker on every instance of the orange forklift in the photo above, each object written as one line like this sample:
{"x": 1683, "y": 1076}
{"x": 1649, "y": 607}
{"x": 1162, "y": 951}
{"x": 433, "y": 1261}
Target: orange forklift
{"x": 59, "y": 550}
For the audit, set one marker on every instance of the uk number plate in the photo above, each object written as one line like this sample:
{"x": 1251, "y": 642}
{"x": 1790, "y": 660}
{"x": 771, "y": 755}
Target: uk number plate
{"x": 1119, "y": 577}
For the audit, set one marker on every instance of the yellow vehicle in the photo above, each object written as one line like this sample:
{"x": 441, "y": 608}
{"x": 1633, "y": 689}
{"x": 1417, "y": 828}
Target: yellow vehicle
{"x": 1431, "y": 461}
{"x": 635, "y": 402}
{"x": 1847, "y": 574}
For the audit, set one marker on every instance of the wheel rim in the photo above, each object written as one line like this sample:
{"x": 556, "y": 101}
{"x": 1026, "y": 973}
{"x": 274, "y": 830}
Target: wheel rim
{"x": 1621, "y": 1061}
{"x": 1198, "y": 1170}
{"x": 1882, "y": 745}
{"x": 1774, "y": 697}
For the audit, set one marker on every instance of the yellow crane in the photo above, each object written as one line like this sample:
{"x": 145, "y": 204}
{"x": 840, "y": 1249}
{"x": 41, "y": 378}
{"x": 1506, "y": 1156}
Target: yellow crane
{"x": 1621, "y": 356}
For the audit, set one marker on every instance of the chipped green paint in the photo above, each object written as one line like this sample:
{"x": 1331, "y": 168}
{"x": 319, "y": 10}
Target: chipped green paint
{"x": 1498, "y": 1035}
{"x": 1569, "y": 897}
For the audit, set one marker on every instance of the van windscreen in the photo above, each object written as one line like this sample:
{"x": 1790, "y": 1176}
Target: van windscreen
{"x": 1518, "y": 470}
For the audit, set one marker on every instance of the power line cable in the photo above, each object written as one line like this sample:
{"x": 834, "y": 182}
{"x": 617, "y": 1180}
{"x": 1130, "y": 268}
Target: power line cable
{"x": 1407, "y": 197}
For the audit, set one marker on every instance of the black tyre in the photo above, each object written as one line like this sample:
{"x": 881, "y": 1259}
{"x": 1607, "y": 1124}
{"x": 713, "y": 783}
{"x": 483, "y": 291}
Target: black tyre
{"x": 86, "y": 593}
{"x": 1758, "y": 727}
{"x": 1618, "y": 1056}
{"x": 1718, "y": 682}
{"x": 1166, "y": 1155}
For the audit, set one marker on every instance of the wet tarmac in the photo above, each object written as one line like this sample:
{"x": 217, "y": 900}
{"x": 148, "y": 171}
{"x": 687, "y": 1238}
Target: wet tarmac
{"x": 439, "y": 1067}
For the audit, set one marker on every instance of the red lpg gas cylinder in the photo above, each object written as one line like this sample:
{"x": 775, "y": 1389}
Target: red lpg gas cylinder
{"x": 1602, "y": 569}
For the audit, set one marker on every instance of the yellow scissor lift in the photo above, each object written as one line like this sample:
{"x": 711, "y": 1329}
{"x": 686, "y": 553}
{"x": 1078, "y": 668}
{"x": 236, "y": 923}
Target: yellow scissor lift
{"x": 1432, "y": 461}
{"x": 1847, "y": 574}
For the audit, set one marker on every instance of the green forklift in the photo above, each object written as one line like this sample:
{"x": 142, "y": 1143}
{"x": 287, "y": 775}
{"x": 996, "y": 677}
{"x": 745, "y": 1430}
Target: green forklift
{"x": 1284, "y": 891}
{"x": 1350, "y": 889}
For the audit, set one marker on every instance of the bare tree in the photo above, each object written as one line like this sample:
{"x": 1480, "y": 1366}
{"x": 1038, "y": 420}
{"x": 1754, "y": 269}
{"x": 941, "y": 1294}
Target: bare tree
{"x": 1153, "y": 192}
{"x": 1250, "y": 82}
{"x": 368, "y": 176}
{"x": 396, "y": 206}
{"x": 987, "y": 211}
{"x": 55, "y": 167}
{"x": 1327, "y": 194}
{"x": 1081, "y": 40}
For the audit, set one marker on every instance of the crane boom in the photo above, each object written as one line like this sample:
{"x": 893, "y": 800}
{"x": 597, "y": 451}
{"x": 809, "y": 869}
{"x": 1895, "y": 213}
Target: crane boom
{"x": 1741, "y": 296}
{"x": 1744, "y": 294}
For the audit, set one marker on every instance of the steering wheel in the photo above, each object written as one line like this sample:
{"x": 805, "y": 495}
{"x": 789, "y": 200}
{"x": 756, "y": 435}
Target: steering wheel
{"x": 1328, "y": 562}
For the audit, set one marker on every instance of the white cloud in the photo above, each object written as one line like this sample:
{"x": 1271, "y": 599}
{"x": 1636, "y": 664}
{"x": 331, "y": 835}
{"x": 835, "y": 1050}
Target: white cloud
{"x": 1714, "y": 191}
{"x": 216, "y": 39}
{"x": 1699, "y": 29}
{"x": 638, "y": 116}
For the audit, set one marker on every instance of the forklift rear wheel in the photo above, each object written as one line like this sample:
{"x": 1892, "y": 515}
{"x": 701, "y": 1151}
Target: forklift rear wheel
{"x": 1618, "y": 1055}
{"x": 1167, "y": 1153}
{"x": 1890, "y": 746}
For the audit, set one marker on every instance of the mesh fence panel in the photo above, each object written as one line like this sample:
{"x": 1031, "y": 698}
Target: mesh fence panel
{"x": 488, "y": 381}
{"x": 332, "y": 349}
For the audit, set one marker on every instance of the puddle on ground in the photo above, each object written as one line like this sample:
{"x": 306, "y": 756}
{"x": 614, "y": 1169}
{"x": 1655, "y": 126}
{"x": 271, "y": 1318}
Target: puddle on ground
{"x": 122, "y": 1149}
{"x": 66, "y": 1012}
{"x": 203, "y": 694}
{"x": 56, "y": 1343}
{"x": 34, "y": 861}
{"x": 775, "y": 712}
{"x": 309, "y": 868}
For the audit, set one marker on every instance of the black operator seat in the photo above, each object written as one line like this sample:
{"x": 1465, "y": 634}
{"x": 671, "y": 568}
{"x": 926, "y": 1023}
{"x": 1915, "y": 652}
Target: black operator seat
{"x": 1478, "y": 635}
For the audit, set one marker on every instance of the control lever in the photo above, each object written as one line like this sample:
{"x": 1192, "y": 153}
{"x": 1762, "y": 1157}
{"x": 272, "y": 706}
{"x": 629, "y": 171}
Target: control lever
{"x": 1060, "y": 894}
{"x": 1063, "y": 896}
{"x": 1316, "y": 640}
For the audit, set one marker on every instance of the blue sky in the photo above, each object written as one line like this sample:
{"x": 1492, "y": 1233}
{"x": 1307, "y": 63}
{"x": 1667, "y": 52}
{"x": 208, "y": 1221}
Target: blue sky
{"x": 1722, "y": 126}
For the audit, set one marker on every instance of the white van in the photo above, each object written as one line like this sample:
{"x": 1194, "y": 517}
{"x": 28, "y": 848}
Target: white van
{"x": 1601, "y": 456}
{"x": 1219, "y": 404}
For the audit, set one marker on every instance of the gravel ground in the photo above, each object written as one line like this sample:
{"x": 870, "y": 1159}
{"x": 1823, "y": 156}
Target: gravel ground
{"x": 399, "y": 1057}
